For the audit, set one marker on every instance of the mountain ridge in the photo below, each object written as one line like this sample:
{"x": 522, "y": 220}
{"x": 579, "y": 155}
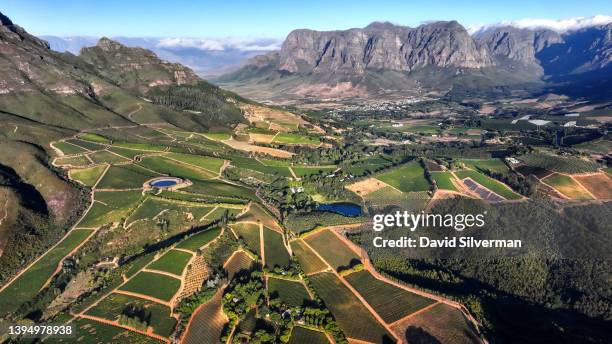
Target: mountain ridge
{"x": 436, "y": 54}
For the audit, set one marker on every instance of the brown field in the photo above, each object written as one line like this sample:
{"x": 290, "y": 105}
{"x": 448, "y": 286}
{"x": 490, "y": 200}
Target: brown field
{"x": 238, "y": 262}
{"x": 600, "y": 184}
{"x": 207, "y": 322}
{"x": 256, "y": 213}
{"x": 366, "y": 186}
{"x": 567, "y": 186}
{"x": 247, "y": 147}
{"x": 255, "y": 113}
{"x": 261, "y": 138}
{"x": 442, "y": 322}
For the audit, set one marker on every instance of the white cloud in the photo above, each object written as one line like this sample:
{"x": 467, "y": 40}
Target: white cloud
{"x": 221, "y": 44}
{"x": 559, "y": 25}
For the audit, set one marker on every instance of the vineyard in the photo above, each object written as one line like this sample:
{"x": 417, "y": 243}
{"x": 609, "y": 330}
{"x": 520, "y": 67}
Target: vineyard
{"x": 390, "y": 302}
{"x": 560, "y": 164}
{"x": 334, "y": 251}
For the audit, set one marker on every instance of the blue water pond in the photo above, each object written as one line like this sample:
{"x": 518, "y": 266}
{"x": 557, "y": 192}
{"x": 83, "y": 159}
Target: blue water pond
{"x": 164, "y": 183}
{"x": 345, "y": 209}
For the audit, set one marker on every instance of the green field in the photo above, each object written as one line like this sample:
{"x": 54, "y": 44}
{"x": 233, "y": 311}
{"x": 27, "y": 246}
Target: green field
{"x": 296, "y": 139}
{"x": 149, "y": 209}
{"x": 493, "y": 165}
{"x": 152, "y": 206}
{"x": 88, "y": 176}
{"x": 156, "y": 315}
{"x": 302, "y": 335}
{"x": 275, "y": 254}
{"x": 217, "y": 136}
{"x": 308, "y": 171}
{"x": 126, "y": 153}
{"x": 105, "y": 157}
{"x": 303, "y": 222}
{"x": 68, "y": 148}
{"x": 175, "y": 169}
{"x": 205, "y": 162}
{"x": 390, "y": 302}
{"x": 490, "y": 183}
{"x": 125, "y": 177}
{"x": 111, "y": 206}
{"x": 308, "y": 260}
{"x": 140, "y": 146}
{"x": 93, "y": 332}
{"x": 333, "y": 250}
{"x": 567, "y": 186}
{"x": 275, "y": 163}
{"x": 444, "y": 180}
{"x": 173, "y": 261}
{"x": 250, "y": 234}
{"x": 138, "y": 264}
{"x": 352, "y": 316}
{"x": 366, "y": 166}
{"x": 408, "y": 178}
{"x": 26, "y": 286}
{"x": 291, "y": 293}
{"x": 94, "y": 138}
{"x": 559, "y": 164}
{"x": 92, "y": 146}
{"x": 194, "y": 242}
{"x": 151, "y": 284}
{"x": 80, "y": 160}
{"x": 600, "y": 146}
{"x": 220, "y": 211}
{"x": 219, "y": 189}
{"x": 388, "y": 196}
{"x": 255, "y": 165}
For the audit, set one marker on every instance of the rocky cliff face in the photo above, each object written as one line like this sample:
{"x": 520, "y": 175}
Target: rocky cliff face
{"x": 136, "y": 69}
{"x": 582, "y": 51}
{"x": 382, "y": 46}
{"x": 385, "y": 46}
{"x": 519, "y": 45}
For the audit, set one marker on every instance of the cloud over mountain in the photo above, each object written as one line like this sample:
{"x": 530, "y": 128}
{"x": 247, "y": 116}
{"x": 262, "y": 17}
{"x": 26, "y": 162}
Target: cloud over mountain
{"x": 558, "y": 25}
{"x": 221, "y": 44}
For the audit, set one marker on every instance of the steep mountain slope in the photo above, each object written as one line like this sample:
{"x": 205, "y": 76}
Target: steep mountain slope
{"x": 383, "y": 58}
{"x": 135, "y": 69}
{"x": 381, "y": 46}
{"x": 189, "y": 101}
{"x": 510, "y": 44}
{"x": 379, "y": 58}
{"x": 581, "y": 51}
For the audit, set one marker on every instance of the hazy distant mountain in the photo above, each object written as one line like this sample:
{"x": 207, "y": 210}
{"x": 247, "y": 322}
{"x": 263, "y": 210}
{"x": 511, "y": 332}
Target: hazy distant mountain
{"x": 384, "y": 57}
{"x": 193, "y": 53}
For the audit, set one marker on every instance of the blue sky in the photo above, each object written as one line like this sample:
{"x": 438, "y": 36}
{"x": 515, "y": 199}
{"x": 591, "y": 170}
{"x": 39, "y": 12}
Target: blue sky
{"x": 239, "y": 18}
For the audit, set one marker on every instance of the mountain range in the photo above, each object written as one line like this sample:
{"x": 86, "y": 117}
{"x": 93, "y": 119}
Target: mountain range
{"x": 205, "y": 56}
{"x": 438, "y": 56}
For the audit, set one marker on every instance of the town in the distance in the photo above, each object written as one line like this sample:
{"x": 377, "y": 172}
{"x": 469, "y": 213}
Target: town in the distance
{"x": 146, "y": 199}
